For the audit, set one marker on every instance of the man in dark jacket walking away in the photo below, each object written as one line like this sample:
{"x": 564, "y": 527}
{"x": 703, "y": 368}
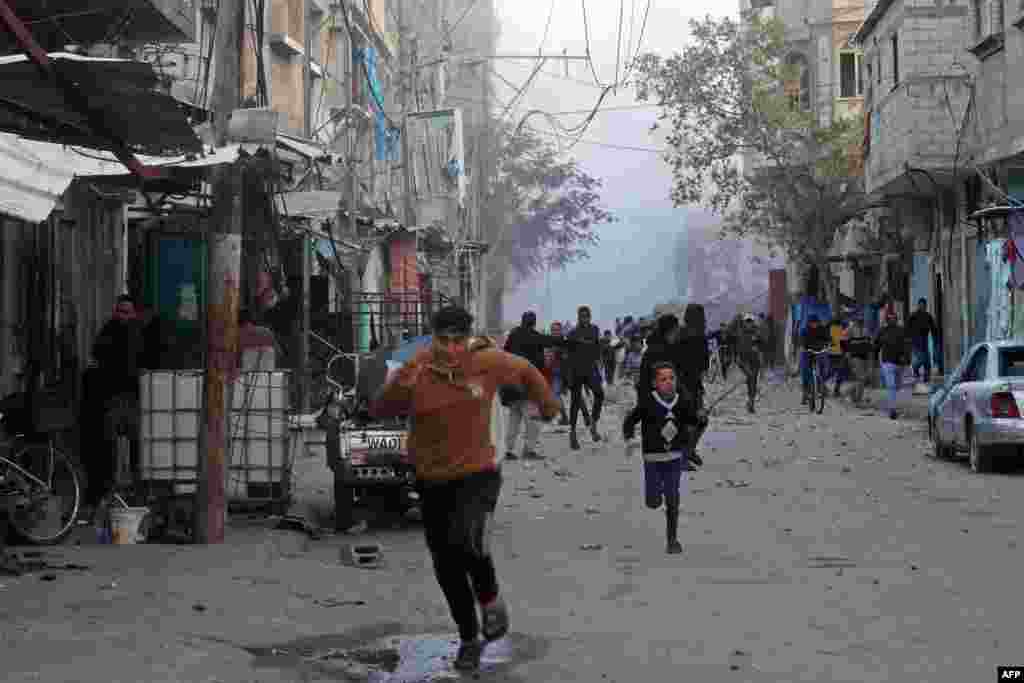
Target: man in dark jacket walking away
{"x": 748, "y": 356}
{"x": 891, "y": 346}
{"x": 919, "y": 326}
{"x": 526, "y": 342}
{"x": 584, "y": 358}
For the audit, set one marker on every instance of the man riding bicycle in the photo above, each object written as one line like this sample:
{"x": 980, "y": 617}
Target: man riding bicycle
{"x": 815, "y": 339}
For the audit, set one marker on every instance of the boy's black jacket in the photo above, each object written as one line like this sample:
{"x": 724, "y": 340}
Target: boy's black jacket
{"x": 650, "y": 415}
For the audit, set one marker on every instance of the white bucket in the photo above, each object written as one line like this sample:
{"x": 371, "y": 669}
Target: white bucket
{"x": 125, "y": 524}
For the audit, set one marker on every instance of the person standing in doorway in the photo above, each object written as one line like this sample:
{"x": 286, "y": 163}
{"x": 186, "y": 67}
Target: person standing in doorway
{"x": 448, "y": 389}
{"x": 891, "y": 346}
{"x": 118, "y": 352}
{"x": 584, "y": 359}
{"x": 920, "y": 325}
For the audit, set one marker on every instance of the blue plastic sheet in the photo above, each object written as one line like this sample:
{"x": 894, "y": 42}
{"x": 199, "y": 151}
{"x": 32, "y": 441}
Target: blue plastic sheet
{"x": 807, "y": 307}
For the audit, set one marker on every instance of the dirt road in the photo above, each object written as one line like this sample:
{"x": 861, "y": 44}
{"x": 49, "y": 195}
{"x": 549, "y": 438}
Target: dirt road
{"x": 817, "y": 548}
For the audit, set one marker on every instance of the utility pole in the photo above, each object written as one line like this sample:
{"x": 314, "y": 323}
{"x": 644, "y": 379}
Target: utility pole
{"x": 350, "y": 125}
{"x": 409, "y": 101}
{"x": 484, "y": 164}
{"x": 225, "y": 257}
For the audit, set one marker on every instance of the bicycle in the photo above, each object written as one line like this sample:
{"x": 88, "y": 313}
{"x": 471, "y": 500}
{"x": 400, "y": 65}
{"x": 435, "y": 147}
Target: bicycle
{"x": 819, "y": 378}
{"x": 34, "y": 473}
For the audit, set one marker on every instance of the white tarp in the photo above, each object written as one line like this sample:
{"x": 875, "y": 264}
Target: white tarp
{"x": 33, "y": 175}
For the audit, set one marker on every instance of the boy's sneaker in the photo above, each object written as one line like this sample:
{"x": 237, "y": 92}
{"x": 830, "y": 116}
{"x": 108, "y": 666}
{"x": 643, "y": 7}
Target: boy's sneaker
{"x": 674, "y": 548}
{"x": 495, "y": 620}
{"x": 509, "y": 455}
{"x": 468, "y": 657}
{"x": 532, "y": 455}
{"x": 595, "y": 434}
{"x": 574, "y": 443}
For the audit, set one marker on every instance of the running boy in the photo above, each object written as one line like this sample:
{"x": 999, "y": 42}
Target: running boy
{"x": 667, "y": 424}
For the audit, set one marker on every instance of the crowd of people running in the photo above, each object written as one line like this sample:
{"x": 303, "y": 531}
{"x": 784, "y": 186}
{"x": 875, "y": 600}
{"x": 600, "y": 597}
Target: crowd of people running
{"x": 450, "y": 388}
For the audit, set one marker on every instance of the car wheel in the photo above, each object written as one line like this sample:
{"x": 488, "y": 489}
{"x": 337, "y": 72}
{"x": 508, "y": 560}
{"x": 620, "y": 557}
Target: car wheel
{"x": 978, "y": 455}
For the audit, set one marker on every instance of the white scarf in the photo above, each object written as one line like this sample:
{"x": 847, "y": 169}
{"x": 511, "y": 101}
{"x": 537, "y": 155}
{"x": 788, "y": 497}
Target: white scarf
{"x": 667, "y": 406}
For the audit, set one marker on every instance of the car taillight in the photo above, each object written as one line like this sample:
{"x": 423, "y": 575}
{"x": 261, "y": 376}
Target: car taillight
{"x": 1004, "y": 405}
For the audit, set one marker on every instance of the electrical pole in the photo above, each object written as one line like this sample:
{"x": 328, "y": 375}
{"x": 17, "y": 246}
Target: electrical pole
{"x": 223, "y": 274}
{"x": 483, "y": 177}
{"x": 409, "y": 58}
{"x": 350, "y": 125}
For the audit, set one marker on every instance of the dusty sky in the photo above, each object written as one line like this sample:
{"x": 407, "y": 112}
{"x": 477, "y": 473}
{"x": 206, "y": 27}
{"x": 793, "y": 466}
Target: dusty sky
{"x": 630, "y": 271}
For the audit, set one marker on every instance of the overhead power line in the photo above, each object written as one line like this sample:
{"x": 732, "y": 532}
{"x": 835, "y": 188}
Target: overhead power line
{"x": 599, "y": 143}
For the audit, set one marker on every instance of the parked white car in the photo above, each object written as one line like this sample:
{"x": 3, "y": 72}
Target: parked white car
{"x": 978, "y": 409}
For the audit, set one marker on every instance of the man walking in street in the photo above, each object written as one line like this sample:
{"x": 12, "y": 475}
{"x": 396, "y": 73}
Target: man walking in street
{"x": 891, "y": 345}
{"x": 584, "y": 358}
{"x": 448, "y": 389}
{"x": 919, "y": 326}
{"x": 748, "y": 356}
{"x": 526, "y": 342}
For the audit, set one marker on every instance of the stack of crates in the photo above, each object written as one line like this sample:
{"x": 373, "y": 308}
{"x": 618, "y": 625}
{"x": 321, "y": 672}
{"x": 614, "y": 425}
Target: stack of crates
{"x": 259, "y": 438}
{"x": 171, "y": 404}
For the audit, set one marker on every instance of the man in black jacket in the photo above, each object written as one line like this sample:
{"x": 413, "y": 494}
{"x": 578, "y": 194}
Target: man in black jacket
{"x": 584, "y": 357}
{"x": 660, "y": 349}
{"x": 919, "y": 326}
{"x": 524, "y": 341}
{"x": 891, "y": 345}
{"x": 814, "y": 339}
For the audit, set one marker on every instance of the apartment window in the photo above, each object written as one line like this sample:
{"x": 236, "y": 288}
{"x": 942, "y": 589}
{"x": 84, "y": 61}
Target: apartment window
{"x": 798, "y": 84}
{"x": 851, "y": 74}
{"x": 895, "y": 59}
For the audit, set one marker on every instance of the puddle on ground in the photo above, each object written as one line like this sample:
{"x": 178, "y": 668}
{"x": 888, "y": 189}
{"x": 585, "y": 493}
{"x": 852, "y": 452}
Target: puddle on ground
{"x": 389, "y": 654}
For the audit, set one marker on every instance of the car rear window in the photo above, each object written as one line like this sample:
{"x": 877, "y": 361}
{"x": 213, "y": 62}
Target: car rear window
{"x": 1011, "y": 362}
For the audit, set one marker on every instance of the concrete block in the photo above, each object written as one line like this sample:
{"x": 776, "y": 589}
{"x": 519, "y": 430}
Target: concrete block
{"x": 366, "y": 555}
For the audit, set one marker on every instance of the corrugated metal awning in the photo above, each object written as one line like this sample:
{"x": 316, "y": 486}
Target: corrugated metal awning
{"x": 33, "y": 175}
{"x": 309, "y": 204}
{"x": 304, "y": 147}
{"x": 123, "y": 92}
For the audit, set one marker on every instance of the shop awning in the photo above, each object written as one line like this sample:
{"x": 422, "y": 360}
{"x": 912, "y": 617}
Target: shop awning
{"x": 33, "y": 175}
{"x": 123, "y": 92}
{"x": 304, "y": 147}
{"x": 55, "y": 23}
{"x": 309, "y": 204}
